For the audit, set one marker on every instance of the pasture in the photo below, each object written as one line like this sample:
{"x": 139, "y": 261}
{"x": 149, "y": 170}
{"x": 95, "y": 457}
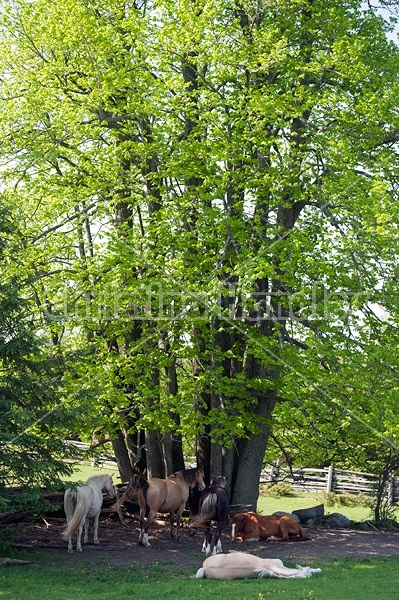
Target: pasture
{"x": 85, "y": 470}
{"x": 341, "y": 579}
{"x": 268, "y": 505}
{"x": 60, "y": 576}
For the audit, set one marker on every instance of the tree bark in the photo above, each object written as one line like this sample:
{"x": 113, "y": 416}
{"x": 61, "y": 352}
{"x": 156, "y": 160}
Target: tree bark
{"x": 122, "y": 457}
{"x": 249, "y": 458}
{"x": 155, "y": 455}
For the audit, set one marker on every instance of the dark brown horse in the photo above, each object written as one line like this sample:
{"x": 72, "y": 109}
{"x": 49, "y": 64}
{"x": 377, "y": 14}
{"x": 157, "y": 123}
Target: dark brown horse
{"x": 213, "y": 506}
{"x": 168, "y": 495}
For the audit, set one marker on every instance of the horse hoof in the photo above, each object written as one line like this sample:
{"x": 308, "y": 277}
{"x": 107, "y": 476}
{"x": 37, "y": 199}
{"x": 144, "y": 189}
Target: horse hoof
{"x": 144, "y": 541}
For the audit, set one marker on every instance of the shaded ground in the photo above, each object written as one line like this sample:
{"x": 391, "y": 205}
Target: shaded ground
{"x": 118, "y": 545}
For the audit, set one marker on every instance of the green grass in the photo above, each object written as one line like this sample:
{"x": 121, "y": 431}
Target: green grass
{"x": 343, "y": 579}
{"x": 267, "y": 505}
{"x": 84, "y": 471}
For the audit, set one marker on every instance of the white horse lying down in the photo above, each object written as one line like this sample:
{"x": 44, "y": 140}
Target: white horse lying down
{"x": 239, "y": 565}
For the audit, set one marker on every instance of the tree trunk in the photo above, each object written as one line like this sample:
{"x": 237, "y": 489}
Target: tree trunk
{"x": 122, "y": 457}
{"x": 249, "y": 458}
{"x": 173, "y": 443}
{"x": 155, "y": 455}
{"x": 202, "y": 405}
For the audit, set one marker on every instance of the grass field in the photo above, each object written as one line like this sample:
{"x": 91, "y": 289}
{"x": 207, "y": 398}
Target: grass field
{"x": 341, "y": 579}
{"x": 84, "y": 471}
{"x": 268, "y": 505}
{"x": 344, "y": 579}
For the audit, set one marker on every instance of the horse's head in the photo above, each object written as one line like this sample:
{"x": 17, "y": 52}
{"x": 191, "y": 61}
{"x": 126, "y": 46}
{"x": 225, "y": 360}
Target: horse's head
{"x": 199, "y": 479}
{"x": 109, "y": 487}
{"x": 219, "y": 481}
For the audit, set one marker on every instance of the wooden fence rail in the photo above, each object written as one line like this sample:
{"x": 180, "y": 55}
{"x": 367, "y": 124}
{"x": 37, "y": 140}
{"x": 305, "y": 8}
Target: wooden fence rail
{"x": 327, "y": 479}
{"x": 331, "y": 479}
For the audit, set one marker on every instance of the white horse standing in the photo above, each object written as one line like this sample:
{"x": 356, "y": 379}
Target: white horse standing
{"x": 83, "y": 504}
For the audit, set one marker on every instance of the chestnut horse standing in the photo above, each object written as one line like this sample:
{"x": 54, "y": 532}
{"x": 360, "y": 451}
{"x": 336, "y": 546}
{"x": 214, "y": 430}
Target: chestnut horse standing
{"x": 168, "y": 495}
{"x": 213, "y": 506}
{"x": 250, "y": 527}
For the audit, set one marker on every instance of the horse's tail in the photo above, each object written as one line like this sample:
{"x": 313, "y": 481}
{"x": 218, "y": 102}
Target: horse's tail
{"x": 135, "y": 485}
{"x": 207, "y": 510}
{"x": 302, "y": 534}
{"x": 200, "y": 573}
{"x": 78, "y": 513}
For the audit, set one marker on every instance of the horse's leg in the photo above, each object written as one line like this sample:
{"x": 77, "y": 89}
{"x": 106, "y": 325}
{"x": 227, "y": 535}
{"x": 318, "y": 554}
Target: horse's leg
{"x": 218, "y": 538}
{"x": 302, "y": 534}
{"x": 86, "y": 529}
{"x": 251, "y": 536}
{"x": 69, "y": 507}
{"x": 283, "y": 530}
{"x": 171, "y": 521}
{"x": 70, "y": 547}
{"x": 144, "y": 535}
{"x": 142, "y": 524}
{"x": 208, "y": 541}
{"x": 96, "y": 519}
{"x": 78, "y": 542}
{"x": 179, "y": 513}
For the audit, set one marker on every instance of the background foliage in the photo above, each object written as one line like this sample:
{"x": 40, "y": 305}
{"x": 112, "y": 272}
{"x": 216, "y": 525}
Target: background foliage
{"x": 206, "y": 196}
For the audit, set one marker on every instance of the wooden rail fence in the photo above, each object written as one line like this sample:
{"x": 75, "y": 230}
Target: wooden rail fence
{"x": 331, "y": 479}
{"x": 327, "y": 479}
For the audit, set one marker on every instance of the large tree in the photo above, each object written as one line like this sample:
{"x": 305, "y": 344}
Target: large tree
{"x": 208, "y": 195}
{"x": 31, "y": 408}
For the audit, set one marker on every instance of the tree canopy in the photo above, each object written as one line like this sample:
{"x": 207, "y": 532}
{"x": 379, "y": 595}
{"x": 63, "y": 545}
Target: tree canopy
{"x": 207, "y": 197}
{"x": 31, "y": 408}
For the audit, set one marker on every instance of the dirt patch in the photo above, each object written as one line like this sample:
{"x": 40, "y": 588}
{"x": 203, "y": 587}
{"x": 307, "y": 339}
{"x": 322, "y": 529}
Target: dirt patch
{"x": 119, "y": 545}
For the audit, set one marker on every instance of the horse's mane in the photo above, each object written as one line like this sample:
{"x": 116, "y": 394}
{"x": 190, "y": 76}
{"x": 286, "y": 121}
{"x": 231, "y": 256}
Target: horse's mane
{"x": 218, "y": 483}
{"x": 188, "y": 475}
{"x": 98, "y": 478}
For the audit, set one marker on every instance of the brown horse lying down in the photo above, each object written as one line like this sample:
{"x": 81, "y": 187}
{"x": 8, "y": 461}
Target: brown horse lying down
{"x": 241, "y": 565}
{"x": 250, "y": 527}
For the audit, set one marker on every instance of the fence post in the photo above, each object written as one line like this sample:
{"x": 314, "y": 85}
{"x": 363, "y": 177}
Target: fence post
{"x": 274, "y": 471}
{"x": 330, "y": 477}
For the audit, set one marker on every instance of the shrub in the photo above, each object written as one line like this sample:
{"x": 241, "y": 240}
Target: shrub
{"x": 274, "y": 490}
{"x": 346, "y": 499}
